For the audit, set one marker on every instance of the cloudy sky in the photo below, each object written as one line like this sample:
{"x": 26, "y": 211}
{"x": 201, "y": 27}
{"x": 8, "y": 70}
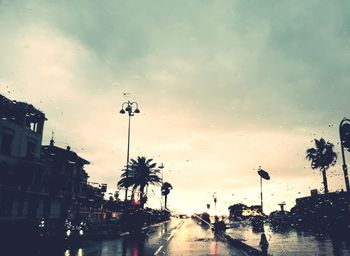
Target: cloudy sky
{"x": 223, "y": 87}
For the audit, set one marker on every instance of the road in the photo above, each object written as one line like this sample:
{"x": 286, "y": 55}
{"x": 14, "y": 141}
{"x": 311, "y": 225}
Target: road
{"x": 176, "y": 237}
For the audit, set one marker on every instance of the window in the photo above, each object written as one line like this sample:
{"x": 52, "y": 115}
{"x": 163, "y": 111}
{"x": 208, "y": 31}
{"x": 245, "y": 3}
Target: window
{"x": 6, "y": 143}
{"x": 6, "y": 205}
{"x": 31, "y": 149}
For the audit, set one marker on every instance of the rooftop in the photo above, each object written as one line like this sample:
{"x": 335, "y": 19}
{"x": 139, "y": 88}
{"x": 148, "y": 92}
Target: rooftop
{"x": 18, "y": 111}
{"x": 54, "y": 151}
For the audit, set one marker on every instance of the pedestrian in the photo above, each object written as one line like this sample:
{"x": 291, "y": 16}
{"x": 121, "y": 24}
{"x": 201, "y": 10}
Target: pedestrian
{"x": 216, "y": 224}
{"x": 219, "y": 226}
{"x": 222, "y": 225}
{"x": 264, "y": 244}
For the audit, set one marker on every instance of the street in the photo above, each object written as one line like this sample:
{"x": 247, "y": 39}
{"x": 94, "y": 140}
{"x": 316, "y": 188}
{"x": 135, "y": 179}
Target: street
{"x": 175, "y": 237}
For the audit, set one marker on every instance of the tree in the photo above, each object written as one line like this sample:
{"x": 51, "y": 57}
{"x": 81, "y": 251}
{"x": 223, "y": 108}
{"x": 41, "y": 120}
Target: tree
{"x": 141, "y": 173}
{"x": 322, "y": 157}
{"x": 166, "y": 187}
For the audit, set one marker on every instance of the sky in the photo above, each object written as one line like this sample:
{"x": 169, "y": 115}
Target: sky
{"x": 223, "y": 87}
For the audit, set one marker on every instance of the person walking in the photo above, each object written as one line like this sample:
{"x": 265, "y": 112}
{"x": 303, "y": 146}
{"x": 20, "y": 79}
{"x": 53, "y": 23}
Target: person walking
{"x": 264, "y": 244}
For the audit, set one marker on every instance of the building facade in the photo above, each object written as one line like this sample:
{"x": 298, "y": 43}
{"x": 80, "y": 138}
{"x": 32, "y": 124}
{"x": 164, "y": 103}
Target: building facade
{"x": 38, "y": 181}
{"x": 23, "y": 197}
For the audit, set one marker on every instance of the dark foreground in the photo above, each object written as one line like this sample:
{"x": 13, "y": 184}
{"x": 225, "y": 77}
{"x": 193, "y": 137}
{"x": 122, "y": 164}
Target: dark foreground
{"x": 187, "y": 237}
{"x": 175, "y": 237}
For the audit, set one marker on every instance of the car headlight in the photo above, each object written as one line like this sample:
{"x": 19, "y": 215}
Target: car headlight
{"x": 68, "y": 232}
{"x": 81, "y": 232}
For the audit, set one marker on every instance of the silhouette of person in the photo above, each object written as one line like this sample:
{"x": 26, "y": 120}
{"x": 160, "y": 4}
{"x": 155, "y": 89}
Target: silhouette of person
{"x": 216, "y": 219}
{"x": 222, "y": 225}
{"x": 216, "y": 224}
{"x": 219, "y": 226}
{"x": 264, "y": 244}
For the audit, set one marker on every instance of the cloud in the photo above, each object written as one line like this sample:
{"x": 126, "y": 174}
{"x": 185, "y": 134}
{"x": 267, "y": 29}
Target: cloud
{"x": 223, "y": 87}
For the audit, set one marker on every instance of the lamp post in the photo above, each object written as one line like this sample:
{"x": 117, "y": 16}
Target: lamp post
{"x": 344, "y": 133}
{"x": 131, "y": 108}
{"x": 263, "y": 175}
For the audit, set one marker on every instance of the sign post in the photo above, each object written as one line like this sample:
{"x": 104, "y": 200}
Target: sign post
{"x": 263, "y": 175}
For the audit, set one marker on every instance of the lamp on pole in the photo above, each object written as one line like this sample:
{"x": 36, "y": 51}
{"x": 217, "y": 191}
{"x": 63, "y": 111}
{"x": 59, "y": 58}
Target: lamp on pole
{"x": 263, "y": 175}
{"x": 344, "y": 133}
{"x": 131, "y": 108}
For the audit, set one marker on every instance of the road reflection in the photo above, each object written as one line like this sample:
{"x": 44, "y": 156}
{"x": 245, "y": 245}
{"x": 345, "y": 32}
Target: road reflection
{"x": 143, "y": 243}
{"x": 189, "y": 238}
{"x": 290, "y": 241}
{"x": 128, "y": 246}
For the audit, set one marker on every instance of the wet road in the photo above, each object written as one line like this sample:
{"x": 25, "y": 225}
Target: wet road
{"x": 176, "y": 237}
{"x": 292, "y": 242}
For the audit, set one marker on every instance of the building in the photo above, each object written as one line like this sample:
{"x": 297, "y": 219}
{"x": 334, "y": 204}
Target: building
{"x": 21, "y": 130}
{"x": 40, "y": 181}
{"x": 23, "y": 197}
{"x": 67, "y": 183}
{"x": 323, "y": 210}
{"x": 242, "y": 211}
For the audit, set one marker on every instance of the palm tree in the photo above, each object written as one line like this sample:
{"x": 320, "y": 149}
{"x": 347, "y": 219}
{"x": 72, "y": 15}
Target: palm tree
{"x": 322, "y": 157}
{"x": 141, "y": 173}
{"x": 166, "y": 187}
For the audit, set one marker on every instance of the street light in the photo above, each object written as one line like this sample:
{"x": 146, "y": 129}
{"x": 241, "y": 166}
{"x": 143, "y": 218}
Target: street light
{"x": 344, "y": 133}
{"x": 263, "y": 175}
{"x": 132, "y": 108}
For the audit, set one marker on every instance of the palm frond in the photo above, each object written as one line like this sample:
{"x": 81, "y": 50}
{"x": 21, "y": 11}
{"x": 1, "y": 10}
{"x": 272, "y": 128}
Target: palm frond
{"x": 143, "y": 172}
